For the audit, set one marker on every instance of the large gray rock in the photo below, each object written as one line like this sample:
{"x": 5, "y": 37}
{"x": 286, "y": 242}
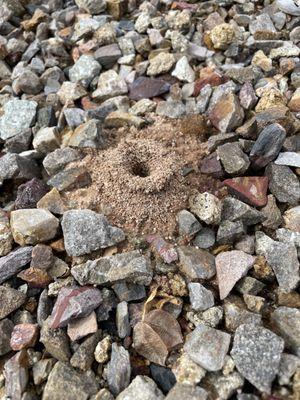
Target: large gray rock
{"x": 141, "y": 388}
{"x": 86, "y": 231}
{"x": 59, "y": 158}
{"x": 110, "y": 84}
{"x": 201, "y": 298}
{"x": 256, "y": 352}
{"x": 207, "y": 347}
{"x": 235, "y": 210}
{"x": 130, "y": 267}
{"x": 118, "y": 369}
{"x": 282, "y": 257}
{"x": 10, "y": 300}
{"x": 18, "y": 116}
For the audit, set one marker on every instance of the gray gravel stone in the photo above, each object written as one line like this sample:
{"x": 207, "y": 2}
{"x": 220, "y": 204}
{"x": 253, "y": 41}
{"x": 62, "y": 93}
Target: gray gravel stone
{"x": 59, "y": 158}
{"x": 187, "y": 223}
{"x": 56, "y": 342}
{"x": 283, "y": 183}
{"x": 187, "y": 392}
{"x": 287, "y": 368}
{"x": 289, "y": 158}
{"x": 201, "y": 298}
{"x": 110, "y": 84}
{"x": 205, "y": 238}
{"x": 122, "y": 320}
{"x": 196, "y": 263}
{"x": 282, "y": 257}
{"x": 234, "y": 160}
{"x": 141, "y": 388}
{"x": 256, "y": 352}
{"x": 130, "y": 267}
{"x": 14, "y": 262}
{"x": 230, "y": 231}
{"x": 171, "y": 109}
{"x": 10, "y": 300}
{"x": 86, "y": 231}
{"x": 18, "y": 116}
{"x": 84, "y": 70}
{"x": 236, "y": 210}
{"x": 287, "y": 323}
{"x": 65, "y": 382}
{"x": 118, "y": 369}
{"x": 210, "y": 355}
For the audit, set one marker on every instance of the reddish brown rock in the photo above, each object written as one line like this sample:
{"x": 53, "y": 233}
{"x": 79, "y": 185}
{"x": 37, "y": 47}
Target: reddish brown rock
{"x": 208, "y": 76}
{"x": 24, "y": 336}
{"x": 146, "y": 88}
{"x": 211, "y": 165}
{"x": 74, "y": 302}
{"x": 42, "y": 257}
{"x": 30, "y": 193}
{"x": 294, "y": 104}
{"x": 36, "y": 277}
{"x": 163, "y": 248}
{"x": 182, "y": 5}
{"x": 250, "y": 189}
{"x": 226, "y": 114}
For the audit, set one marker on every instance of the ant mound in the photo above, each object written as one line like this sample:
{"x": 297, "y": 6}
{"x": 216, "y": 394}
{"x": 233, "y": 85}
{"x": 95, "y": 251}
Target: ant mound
{"x": 144, "y": 177}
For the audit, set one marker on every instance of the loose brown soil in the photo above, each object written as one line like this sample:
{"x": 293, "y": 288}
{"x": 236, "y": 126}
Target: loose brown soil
{"x": 141, "y": 180}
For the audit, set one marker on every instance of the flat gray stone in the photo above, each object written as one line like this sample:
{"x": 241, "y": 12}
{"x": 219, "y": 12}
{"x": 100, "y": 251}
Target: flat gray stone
{"x": 283, "y": 183}
{"x": 256, "y": 352}
{"x": 289, "y": 158}
{"x": 118, "y": 369}
{"x": 207, "y": 347}
{"x": 130, "y": 267}
{"x": 86, "y": 231}
{"x": 18, "y": 116}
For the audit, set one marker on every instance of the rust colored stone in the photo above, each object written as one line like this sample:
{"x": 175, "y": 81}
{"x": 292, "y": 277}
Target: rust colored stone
{"x": 182, "y": 5}
{"x": 36, "y": 277}
{"x": 208, "y": 77}
{"x": 24, "y": 336}
{"x": 211, "y": 165}
{"x": 163, "y": 248}
{"x": 250, "y": 189}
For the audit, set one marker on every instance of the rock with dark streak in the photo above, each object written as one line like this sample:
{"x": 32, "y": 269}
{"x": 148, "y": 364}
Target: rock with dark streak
{"x": 14, "y": 262}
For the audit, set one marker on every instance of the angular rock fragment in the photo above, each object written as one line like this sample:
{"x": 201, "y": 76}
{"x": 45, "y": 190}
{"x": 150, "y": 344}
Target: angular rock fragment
{"x": 287, "y": 323}
{"x": 58, "y": 159}
{"x": 6, "y": 327}
{"x": 118, "y": 369}
{"x": 78, "y": 240}
{"x": 146, "y": 88}
{"x": 84, "y": 356}
{"x": 56, "y": 341}
{"x": 289, "y": 158}
{"x": 84, "y": 70}
{"x": 42, "y": 369}
{"x": 10, "y": 300}
{"x": 81, "y": 327}
{"x": 31, "y": 226}
{"x": 141, "y": 388}
{"x": 231, "y": 266}
{"x": 18, "y": 116}
{"x": 14, "y": 262}
{"x": 226, "y": 114}
{"x": 16, "y": 375}
{"x": 256, "y": 352}
{"x": 74, "y": 302}
{"x": 65, "y": 382}
{"x": 187, "y": 392}
{"x": 209, "y": 354}
{"x": 282, "y": 257}
{"x": 233, "y": 159}
{"x": 206, "y": 206}
{"x": 236, "y": 210}
{"x": 30, "y": 193}
{"x": 72, "y": 178}
{"x": 122, "y": 320}
{"x": 110, "y": 84}
{"x": 163, "y": 248}
{"x": 24, "y": 336}
{"x": 129, "y": 267}
{"x": 283, "y": 183}
{"x": 250, "y": 189}
{"x": 201, "y": 299}
{"x": 268, "y": 145}
{"x": 196, "y": 263}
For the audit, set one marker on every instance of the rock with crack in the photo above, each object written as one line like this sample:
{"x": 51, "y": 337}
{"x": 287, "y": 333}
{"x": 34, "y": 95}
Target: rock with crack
{"x": 129, "y": 267}
{"x": 86, "y": 231}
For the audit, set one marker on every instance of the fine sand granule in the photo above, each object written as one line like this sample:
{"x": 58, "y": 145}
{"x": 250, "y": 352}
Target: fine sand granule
{"x": 138, "y": 181}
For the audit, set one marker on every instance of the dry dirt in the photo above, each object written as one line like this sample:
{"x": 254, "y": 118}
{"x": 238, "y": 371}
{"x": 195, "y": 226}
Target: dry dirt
{"x": 144, "y": 177}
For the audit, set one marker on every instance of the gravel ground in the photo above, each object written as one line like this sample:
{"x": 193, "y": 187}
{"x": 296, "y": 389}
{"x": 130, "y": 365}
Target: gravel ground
{"x": 149, "y": 200}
